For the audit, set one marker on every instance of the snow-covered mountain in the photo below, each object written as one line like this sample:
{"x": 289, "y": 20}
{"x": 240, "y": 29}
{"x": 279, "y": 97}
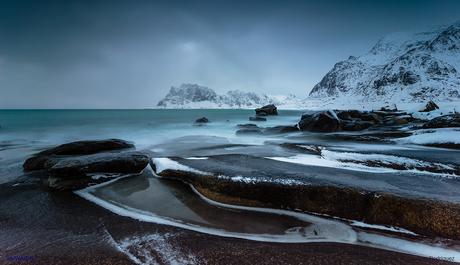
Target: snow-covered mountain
{"x": 191, "y": 96}
{"x": 403, "y": 67}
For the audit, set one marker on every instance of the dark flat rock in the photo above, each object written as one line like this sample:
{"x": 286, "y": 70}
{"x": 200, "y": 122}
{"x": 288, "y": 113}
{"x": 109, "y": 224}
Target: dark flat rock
{"x": 432, "y": 207}
{"x": 62, "y": 228}
{"x": 124, "y": 163}
{"x": 38, "y": 161}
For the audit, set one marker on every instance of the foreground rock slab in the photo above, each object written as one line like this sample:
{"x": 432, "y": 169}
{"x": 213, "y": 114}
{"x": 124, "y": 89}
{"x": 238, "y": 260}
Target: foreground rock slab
{"x": 431, "y": 208}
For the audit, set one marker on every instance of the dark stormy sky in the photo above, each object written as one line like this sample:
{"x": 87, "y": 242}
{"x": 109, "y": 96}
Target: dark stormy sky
{"x": 126, "y": 54}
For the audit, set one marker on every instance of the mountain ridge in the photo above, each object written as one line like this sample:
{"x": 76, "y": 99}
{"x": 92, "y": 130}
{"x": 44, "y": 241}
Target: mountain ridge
{"x": 401, "y": 67}
{"x": 188, "y": 96}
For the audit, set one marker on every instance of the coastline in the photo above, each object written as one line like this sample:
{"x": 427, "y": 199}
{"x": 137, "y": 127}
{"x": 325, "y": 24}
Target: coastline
{"x": 70, "y": 230}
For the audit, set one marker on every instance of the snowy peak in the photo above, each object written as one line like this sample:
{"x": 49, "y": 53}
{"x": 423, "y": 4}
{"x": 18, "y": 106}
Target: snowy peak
{"x": 196, "y": 96}
{"x": 187, "y": 93}
{"x": 400, "y": 67}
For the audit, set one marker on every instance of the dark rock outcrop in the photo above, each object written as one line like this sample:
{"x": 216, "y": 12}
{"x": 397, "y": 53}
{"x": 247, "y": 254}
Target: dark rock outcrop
{"x": 202, "y": 120}
{"x": 267, "y": 110}
{"x": 326, "y": 121}
{"x": 430, "y": 106}
{"x": 445, "y": 121}
{"x": 72, "y": 166}
{"x": 38, "y": 161}
{"x": 352, "y": 120}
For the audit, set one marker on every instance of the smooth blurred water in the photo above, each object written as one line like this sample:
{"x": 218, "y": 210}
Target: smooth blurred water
{"x": 24, "y": 132}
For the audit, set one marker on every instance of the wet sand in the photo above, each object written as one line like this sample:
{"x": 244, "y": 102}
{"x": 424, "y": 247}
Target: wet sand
{"x": 40, "y": 227}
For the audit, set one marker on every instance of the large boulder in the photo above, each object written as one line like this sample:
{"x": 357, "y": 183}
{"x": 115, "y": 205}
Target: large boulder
{"x": 37, "y": 161}
{"x": 71, "y": 173}
{"x": 352, "y": 120}
{"x": 74, "y": 165}
{"x": 326, "y": 121}
{"x": 445, "y": 121}
{"x": 430, "y": 106}
{"x": 267, "y": 110}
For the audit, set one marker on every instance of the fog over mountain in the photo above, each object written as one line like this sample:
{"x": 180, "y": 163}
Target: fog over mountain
{"x": 127, "y": 54}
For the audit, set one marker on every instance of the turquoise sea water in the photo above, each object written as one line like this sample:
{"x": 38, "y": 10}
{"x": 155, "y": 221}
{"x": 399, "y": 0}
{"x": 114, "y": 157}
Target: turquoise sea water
{"x": 24, "y": 132}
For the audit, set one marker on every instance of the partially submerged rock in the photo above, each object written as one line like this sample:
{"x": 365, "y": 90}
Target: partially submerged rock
{"x": 281, "y": 129}
{"x": 38, "y": 161}
{"x": 249, "y": 131}
{"x": 326, "y": 121}
{"x": 123, "y": 163}
{"x": 267, "y": 110}
{"x": 73, "y": 165}
{"x": 202, "y": 120}
{"x": 351, "y": 120}
{"x": 445, "y": 121}
{"x": 268, "y": 130}
{"x": 257, "y": 118}
{"x": 430, "y": 106}
{"x": 247, "y": 126}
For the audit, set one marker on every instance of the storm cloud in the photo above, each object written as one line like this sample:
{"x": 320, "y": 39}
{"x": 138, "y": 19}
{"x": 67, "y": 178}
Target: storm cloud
{"x": 126, "y": 54}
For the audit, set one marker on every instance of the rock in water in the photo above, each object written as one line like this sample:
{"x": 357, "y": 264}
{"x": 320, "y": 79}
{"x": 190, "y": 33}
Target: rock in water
{"x": 247, "y": 126}
{"x": 202, "y": 120}
{"x": 123, "y": 163}
{"x": 267, "y": 110}
{"x": 430, "y": 106}
{"x": 72, "y": 166}
{"x": 39, "y": 160}
{"x": 281, "y": 129}
{"x": 445, "y": 121}
{"x": 257, "y": 118}
{"x": 326, "y": 121}
{"x": 352, "y": 120}
{"x": 249, "y": 131}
